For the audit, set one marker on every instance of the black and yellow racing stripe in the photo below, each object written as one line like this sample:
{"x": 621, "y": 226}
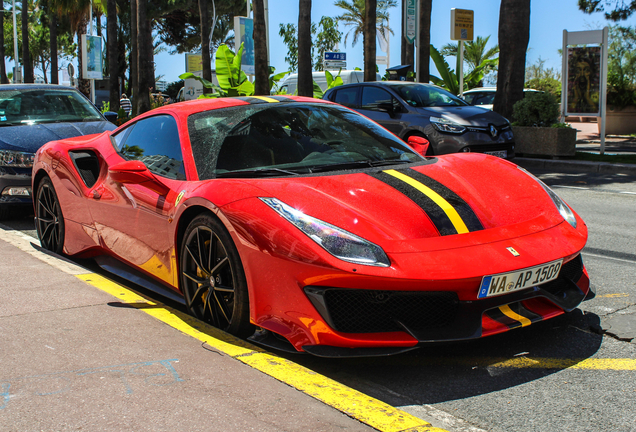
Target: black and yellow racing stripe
{"x": 513, "y": 315}
{"x": 448, "y": 211}
{"x": 266, "y": 99}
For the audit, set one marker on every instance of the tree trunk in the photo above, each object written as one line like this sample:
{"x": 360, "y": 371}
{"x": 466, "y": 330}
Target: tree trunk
{"x": 407, "y": 49}
{"x": 514, "y": 34}
{"x": 27, "y": 65}
{"x": 134, "y": 62}
{"x": 53, "y": 47}
{"x": 113, "y": 54}
{"x": 206, "y": 60}
{"x": 261, "y": 68}
{"x": 3, "y": 67}
{"x": 144, "y": 58}
{"x": 424, "y": 27}
{"x": 83, "y": 85}
{"x": 368, "y": 39}
{"x": 305, "y": 80}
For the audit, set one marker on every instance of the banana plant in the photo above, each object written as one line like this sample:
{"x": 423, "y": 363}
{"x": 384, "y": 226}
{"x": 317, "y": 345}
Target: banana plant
{"x": 231, "y": 78}
{"x": 449, "y": 79}
{"x": 331, "y": 83}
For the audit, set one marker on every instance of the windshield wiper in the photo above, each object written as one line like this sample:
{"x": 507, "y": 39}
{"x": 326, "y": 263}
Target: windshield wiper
{"x": 356, "y": 164}
{"x": 258, "y": 172}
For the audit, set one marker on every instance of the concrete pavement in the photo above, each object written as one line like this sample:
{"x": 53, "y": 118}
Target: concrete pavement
{"x": 77, "y": 357}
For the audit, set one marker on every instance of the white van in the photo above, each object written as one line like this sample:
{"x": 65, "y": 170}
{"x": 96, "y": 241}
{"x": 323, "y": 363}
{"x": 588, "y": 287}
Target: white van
{"x": 290, "y": 84}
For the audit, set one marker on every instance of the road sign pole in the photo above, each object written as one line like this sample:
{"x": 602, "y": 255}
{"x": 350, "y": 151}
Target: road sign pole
{"x": 417, "y": 44}
{"x": 460, "y": 67}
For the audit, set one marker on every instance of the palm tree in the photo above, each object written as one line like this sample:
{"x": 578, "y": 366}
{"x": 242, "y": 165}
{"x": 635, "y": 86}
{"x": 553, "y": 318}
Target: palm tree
{"x": 354, "y": 17}
{"x": 77, "y": 13}
{"x": 305, "y": 81}
{"x": 3, "y": 67}
{"x": 368, "y": 39}
{"x": 134, "y": 60}
{"x": 474, "y": 51}
{"x": 27, "y": 65}
{"x": 145, "y": 65}
{"x": 514, "y": 34}
{"x": 206, "y": 62}
{"x": 261, "y": 68}
{"x": 113, "y": 54}
{"x": 423, "y": 66}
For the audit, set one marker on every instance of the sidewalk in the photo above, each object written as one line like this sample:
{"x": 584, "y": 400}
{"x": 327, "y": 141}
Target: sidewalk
{"x": 75, "y": 357}
{"x": 588, "y": 140}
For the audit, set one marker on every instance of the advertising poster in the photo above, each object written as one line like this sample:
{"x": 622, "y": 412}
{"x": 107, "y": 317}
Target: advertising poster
{"x": 584, "y": 78}
{"x": 244, "y": 27}
{"x": 92, "y": 52}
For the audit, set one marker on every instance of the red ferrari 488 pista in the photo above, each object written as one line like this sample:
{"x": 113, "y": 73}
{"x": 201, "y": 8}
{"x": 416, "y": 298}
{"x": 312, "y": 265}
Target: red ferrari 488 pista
{"x": 302, "y": 219}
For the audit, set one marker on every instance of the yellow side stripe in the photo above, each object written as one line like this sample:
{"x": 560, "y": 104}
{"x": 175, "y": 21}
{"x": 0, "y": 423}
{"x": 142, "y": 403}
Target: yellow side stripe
{"x": 452, "y": 214}
{"x": 265, "y": 98}
{"x": 363, "y": 408}
{"x": 515, "y": 316}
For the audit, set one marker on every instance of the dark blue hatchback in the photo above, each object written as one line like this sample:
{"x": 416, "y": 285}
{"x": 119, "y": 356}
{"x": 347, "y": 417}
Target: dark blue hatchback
{"x": 415, "y": 109}
{"x": 30, "y": 116}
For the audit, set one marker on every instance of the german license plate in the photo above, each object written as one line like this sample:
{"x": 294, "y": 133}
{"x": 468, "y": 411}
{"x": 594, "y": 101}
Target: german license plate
{"x": 504, "y": 283}
{"x": 499, "y": 153}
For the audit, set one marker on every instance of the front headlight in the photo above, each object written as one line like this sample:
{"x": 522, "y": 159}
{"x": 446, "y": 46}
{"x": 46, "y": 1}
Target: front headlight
{"x": 446, "y": 125}
{"x": 338, "y": 242}
{"x": 16, "y": 159}
{"x": 561, "y": 206}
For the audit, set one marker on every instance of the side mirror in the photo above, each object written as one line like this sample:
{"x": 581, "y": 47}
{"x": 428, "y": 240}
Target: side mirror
{"x": 387, "y": 108}
{"x": 135, "y": 172}
{"x": 111, "y": 116}
{"x": 419, "y": 144}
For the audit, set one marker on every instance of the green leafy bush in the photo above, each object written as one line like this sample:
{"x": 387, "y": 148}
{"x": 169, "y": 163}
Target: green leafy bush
{"x": 537, "y": 109}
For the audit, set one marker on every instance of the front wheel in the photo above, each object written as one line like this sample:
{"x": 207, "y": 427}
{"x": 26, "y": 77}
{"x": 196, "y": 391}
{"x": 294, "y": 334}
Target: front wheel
{"x": 49, "y": 220}
{"x": 212, "y": 278}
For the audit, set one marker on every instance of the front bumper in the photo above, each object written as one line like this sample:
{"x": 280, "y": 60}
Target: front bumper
{"x": 15, "y": 178}
{"x": 473, "y": 140}
{"x": 440, "y": 316}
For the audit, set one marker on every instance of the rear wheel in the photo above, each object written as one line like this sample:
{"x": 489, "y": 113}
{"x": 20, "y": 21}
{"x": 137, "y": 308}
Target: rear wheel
{"x": 212, "y": 277}
{"x": 49, "y": 220}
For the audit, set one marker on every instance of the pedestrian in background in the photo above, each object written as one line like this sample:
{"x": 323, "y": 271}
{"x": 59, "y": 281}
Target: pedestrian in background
{"x": 125, "y": 104}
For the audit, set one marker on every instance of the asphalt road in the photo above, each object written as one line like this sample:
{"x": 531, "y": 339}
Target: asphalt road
{"x": 575, "y": 372}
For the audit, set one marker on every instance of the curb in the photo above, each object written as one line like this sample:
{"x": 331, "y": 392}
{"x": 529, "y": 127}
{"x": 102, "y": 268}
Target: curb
{"x": 576, "y": 166}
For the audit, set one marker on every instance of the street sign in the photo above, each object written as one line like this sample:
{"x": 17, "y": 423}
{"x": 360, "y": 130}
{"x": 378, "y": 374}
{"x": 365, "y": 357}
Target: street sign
{"x": 410, "y": 11}
{"x": 335, "y": 56}
{"x": 462, "y": 24}
{"x": 335, "y": 64}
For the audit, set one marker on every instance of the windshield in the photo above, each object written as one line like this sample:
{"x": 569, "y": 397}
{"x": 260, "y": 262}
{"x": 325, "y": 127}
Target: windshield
{"x": 32, "y": 106}
{"x": 427, "y": 96}
{"x": 289, "y": 138}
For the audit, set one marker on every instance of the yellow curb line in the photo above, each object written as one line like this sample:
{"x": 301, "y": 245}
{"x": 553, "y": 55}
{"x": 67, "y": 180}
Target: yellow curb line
{"x": 357, "y": 405}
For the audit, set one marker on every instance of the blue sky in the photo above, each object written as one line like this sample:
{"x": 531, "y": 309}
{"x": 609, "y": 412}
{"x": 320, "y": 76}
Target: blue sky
{"x": 547, "y": 21}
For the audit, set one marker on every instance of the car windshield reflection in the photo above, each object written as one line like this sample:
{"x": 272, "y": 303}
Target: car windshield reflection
{"x": 34, "y": 106}
{"x": 427, "y": 96}
{"x": 278, "y": 139}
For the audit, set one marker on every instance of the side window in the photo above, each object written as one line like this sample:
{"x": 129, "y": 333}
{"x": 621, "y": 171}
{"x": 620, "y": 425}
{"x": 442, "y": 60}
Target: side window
{"x": 155, "y": 142}
{"x": 469, "y": 98}
{"x": 347, "y": 96}
{"x": 373, "y": 96}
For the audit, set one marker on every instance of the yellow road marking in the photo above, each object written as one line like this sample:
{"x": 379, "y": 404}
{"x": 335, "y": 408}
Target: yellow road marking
{"x": 557, "y": 363}
{"x": 515, "y": 316}
{"x": 265, "y": 98}
{"x": 613, "y": 295}
{"x": 452, "y": 214}
{"x": 363, "y": 408}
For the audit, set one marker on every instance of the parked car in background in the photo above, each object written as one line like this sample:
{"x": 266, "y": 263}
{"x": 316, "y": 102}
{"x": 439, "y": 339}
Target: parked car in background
{"x": 290, "y": 84}
{"x": 414, "y": 109}
{"x": 30, "y": 116}
{"x": 484, "y": 97}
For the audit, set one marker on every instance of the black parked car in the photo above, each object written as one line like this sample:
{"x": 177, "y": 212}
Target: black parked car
{"x": 446, "y": 121}
{"x": 30, "y": 116}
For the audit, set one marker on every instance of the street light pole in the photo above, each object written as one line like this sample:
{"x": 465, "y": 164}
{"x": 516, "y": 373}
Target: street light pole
{"x": 15, "y": 47}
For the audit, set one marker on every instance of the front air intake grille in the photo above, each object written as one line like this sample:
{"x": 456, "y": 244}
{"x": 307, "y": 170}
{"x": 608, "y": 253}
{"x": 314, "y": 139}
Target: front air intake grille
{"x": 573, "y": 269}
{"x": 375, "y": 311}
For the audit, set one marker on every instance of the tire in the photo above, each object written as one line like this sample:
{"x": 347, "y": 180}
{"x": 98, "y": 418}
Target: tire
{"x": 4, "y": 212}
{"x": 49, "y": 220}
{"x": 212, "y": 277}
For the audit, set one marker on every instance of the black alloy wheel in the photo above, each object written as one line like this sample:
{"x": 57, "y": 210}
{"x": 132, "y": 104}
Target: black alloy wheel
{"x": 49, "y": 220}
{"x": 212, "y": 278}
